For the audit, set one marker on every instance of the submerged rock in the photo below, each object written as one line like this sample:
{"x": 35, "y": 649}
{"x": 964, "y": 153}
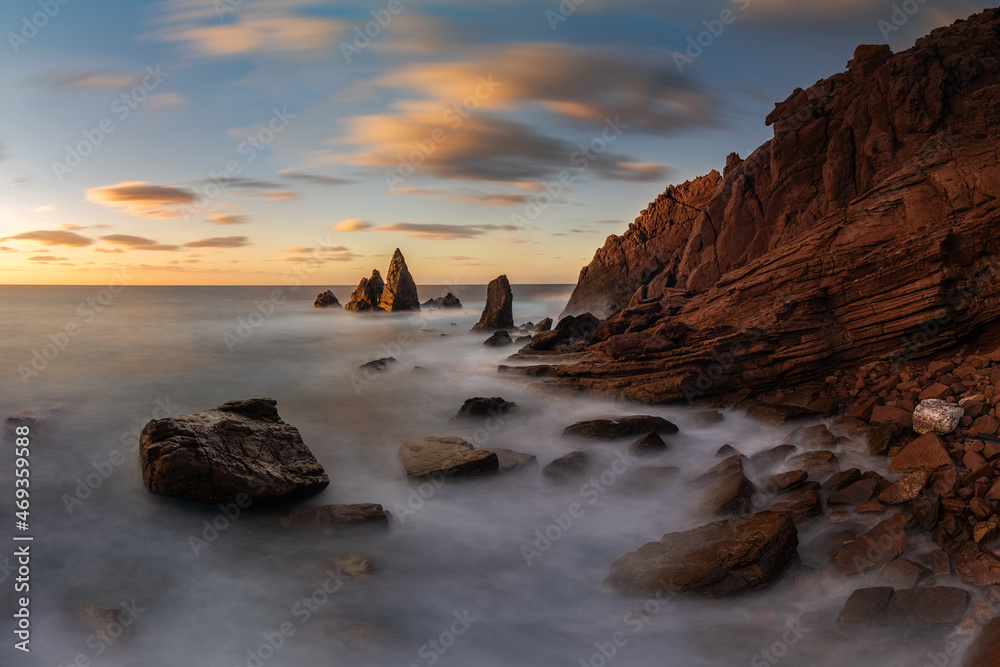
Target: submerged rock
{"x": 568, "y": 466}
{"x": 326, "y": 299}
{"x": 450, "y": 457}
{"x": 620, "y": 427}
{"x": 333, "y": 518}
{"x": 368, "y": 294}
{"x": 486, "y": 407}
{"x": 499, "y": 310}
{"x": 400, "y": 292}
{"x": 724, "y": 489}
{"x": 719, "y": 559}
{"x": 379, "y": 365}
{"x": 509, "y": 460}
{"x": 239, "y": 451}
{"x": 499, "y": 339}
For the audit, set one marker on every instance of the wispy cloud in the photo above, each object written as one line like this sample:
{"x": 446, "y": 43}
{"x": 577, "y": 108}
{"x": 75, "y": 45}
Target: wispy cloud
{"x": 52, "y": 237}
{"x": 93, "y": 79}
{"x": 137, "y": 242}
{"x": 229, "y": 219}
{"x": 316, "y": 179}
{"x": 440, "y": 232}
{"x": 219, "y": 242}
{"x": 142, "y": 199}
{"x": 352, "y": 225}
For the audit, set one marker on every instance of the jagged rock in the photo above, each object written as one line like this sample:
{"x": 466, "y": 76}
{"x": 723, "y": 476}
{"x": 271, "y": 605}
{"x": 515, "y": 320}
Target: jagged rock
{"x": 449, "y": 300}
{"x": 620, "y": 427}
{"x": 508, "y": 459}
{"x": 335, "y": 518}
{"x": 568, "y": 466}
{"x": 544, "y": 325}
{"x": 486, "y": 407}
{"x": 925, "y": 453}
{"x": 749, "y": 270}
{"x": 936, "y": 416}
{"x": 768, "y": 459}
{"x": 379, "y": 365}
{"x": 720, "y": 559}
{"x": 905, "y": 489}
{"x": 499, "y": 339}
{"x": 651, "y": 443}
{"x": 451, "y": 457}
{"x": 499, "y": 310}
{"x": 811, "y": 437}
{"x": 883, "y": 543}
{"x": 802, "y": 504}
{"x": 819, "y": 464}
{"x": 239, "y": 452}
{"x": 399, "y": 292}
{"x": 884, "y": 437}
{"x": 724, "y": 489}
{"x": 368, "y": 295}
{"x": 326, "y": 299}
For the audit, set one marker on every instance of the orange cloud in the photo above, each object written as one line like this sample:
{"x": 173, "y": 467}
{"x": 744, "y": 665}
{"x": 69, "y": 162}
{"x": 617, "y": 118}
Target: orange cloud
{"x": 136, "y": 242}
{"x": 229, "y": 219}
{"x": 51, "y": 237}
{"x": 219, "y": 242}
{"x": 439, "y": 232}
{"x": 352, "y": 225}
{"x": 142, "y": 199}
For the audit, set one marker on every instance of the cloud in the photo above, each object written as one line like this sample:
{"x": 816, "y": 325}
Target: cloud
{"x": 8, "y": 249}
{"x": 280, "y": 195}
{"x": 47, "y": 258}
{"x": 439, "y": 232}
{"x": 281, "y": 27}
{"x": 51, "y": 237}
{"x": 352, "y": 225}
{"x": 229, "y": 219}
{"x": 136, "y": 242}
{"x": 219, "y": 242}
{"x": 93, "y": 79}
{"x": 323, "y": 254}
{"x": 485, "y": 199}
{"x": 142, "y": 199}
{"x": 165, "y": 101}
{"x": 47, "y": 208}
{"x": 109, "y": 251}
{"x": 316, "y": 179}
{"x": 237, "y": 183}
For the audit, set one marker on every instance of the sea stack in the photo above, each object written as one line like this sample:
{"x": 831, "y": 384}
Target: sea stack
{"x": 400, "y": 292}
{"x": 368, "y": 294}
{"x": 499, "y": 310}
{"x": 326, "y": 299}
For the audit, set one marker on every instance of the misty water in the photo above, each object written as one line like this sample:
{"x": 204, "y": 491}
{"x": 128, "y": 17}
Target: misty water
{"x": 464, "y": 575}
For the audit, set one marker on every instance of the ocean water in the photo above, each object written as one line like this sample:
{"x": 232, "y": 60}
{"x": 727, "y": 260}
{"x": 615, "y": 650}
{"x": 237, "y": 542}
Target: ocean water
{"x": 472, "y": 573}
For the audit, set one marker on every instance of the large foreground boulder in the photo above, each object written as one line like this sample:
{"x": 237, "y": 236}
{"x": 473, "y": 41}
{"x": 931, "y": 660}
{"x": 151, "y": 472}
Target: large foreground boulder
{"x": 368, "y": 295}
{"x": 720, "y": 559}
{"x": 499, "y": 310}
{"x": 449, "y": 457}
{"x": 400, "y": 292}
{"x": 239, "y": 451}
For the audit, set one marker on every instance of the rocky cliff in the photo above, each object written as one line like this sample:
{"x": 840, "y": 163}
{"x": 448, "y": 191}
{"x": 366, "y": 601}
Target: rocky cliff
{"x": 866, "y": 228}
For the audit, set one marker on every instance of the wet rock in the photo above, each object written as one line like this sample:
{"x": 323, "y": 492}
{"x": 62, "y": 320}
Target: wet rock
{"x": 843, "y": 479}
{"x": 566, "y": 467}
{"x": 776, "y": 414}
{"x": 936, "y": 416}
{"x": 984, "y": 650}
{"x": 978, "y": 568}
{"x": 651, "y": 443}
{"x": 771, "y": 458}
{"x": 905, "y": 489}
{"x": 724, "y": 489}
{"x": 326, "y": 299}
{"x": 239, "y": 452}
{"x": 903, "y": 573}
{"x": 786, "y": 481}
{"x": 499, "y": 339}
{"x": 720, "y": 559}
{"x": 379, "y": 365}
{"x": 726, "y": 451}
{"x": 925, "y": 453}
{"x": 864, "y": 605}
{"x": 449, "y": 300}
{"x": 883, "y": 543}
{"x": 620, "y": 427}
{"x": 486, "y": 407}
{"x": 451, "y": 457}
{"x": 705, "y": 418}
{"x": 884, "y": 437}
{"x": 499, "y": 310}
{"x": 858, "y": 493}
{"x": 820, "y": 464}
{"x": 368, "y": 294}
{"x": 400, "y": 291}
{"x": 336, "y": 518}
{"x": 509, "y": 460}
{"x": 911, "y": 607}
{"x": 802, "y": 504}
{"x": 811, "y": 437}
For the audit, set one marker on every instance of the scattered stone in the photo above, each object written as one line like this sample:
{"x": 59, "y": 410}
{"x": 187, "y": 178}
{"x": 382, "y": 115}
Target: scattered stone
{"x": 771, "y": 458}
{"x": 905, "y": 489}
{"x": 858, "y": 493}
{"x": 499, "y": 310}
{"x": 335, "y": 518}
{"x": 508, "y": 460}
{"x": 786, "y": 481}
{"x": 802, "y": 504}
{"x": 878, "y": 546}
{"x": 451, "y": 457}
{"x": 720, "y": 559}
{"x": 499, "y": 339}
{"x": 936, "y": 416}
{"x": 326, "y": 299}
{"x": 566, "y": 467}
{"x": 776, "y": 414}
{"x": 843, "y": 479}
{"x": 925, "y": 453}
{"x": 724, "y": 489}
{"x": 819, "y": 464}
{"x": 651, "y": 443}
{"x": 240, "y": 452}
{"x": 620, "y": 427}
{"x": 811, "y": 437}
{"x": 884, "y": 437}
{"x": 940, "y": 564}
{"x": 486, "y": 407}
{"x": 903, "y": 573}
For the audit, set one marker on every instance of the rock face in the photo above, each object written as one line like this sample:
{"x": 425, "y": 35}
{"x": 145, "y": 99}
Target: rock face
{"x": 499, "y": 310}
{"x": 450, "y": 457}
{"x": 869, "y": 214}
{"x": 326, "y": 299}
{"x": 217, "y": 456}
{"x": 936, "y": 416}
{"x": 400, "y": 292}
{"x": 720, "y": 559}
{"x": 368, "y": 295}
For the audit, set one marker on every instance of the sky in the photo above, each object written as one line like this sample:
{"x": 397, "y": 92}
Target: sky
{"x": 263, "y": 141}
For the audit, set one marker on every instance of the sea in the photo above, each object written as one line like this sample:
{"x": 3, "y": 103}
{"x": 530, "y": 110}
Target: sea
{"x": 490, "y": 571}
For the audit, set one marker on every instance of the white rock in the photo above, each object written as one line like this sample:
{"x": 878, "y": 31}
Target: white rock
{"x": 936, "y": 416}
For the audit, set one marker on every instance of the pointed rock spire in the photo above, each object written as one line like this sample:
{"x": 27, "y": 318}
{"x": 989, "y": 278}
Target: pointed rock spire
{"x": 400, "y": 291}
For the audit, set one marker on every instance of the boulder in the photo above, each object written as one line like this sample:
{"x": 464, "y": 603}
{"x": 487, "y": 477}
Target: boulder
{"x": 450, "y": 457}
{"x": 568, "y": 466}
{"x": 939, "y": 606}
{"x": 817, "y": 436}
{"x": 720, "y": 559}
{"x": 335, "y": 518}
{"x": 802, "y": 504}
{"x": 399, "y": 292}
{"x": 449, "y": 300}
{"x": 651, "y": 443}
{"x": 724, "y": 489}
{"x": 499, "y": 339}
{"x": 880, "y": 545}
{"x": 486, "y": 407}
{"x": 906, "y": 489}
{"x": 925, "y": 453}
{"x": 936, "y": 416}
{"x": 509, "y": 460}
{"x": 620, "y": 427}
{"x": 326, "y": 299}
{"x": 239, "y": 451}
{"x": 499, "y": 310}
{"x": 368, "y": 294}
